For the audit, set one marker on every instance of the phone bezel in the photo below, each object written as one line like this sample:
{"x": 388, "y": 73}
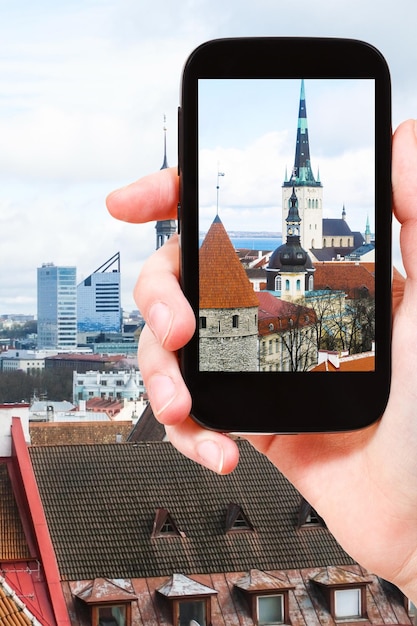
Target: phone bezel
{"x": 253, "y": 401}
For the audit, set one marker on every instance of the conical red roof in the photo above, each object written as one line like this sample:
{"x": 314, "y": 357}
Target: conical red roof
{"x": 223, "y": 280}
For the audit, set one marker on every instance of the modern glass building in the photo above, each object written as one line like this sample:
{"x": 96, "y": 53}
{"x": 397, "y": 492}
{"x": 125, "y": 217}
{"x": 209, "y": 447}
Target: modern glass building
{"x": 57, "y": 307}
{"x": 99, "y": 301}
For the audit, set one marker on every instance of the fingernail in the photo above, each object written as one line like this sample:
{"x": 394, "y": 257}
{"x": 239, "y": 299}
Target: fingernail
{"x": 211, "y": 455}
{"x": 160, "y": 321}
{"x": 162, "y": 392}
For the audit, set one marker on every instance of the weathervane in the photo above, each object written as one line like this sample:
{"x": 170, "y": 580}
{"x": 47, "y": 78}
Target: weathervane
{"x": 218, "y": 187}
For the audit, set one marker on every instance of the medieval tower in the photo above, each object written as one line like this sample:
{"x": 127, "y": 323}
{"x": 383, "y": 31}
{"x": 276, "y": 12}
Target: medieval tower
{"x": 228, "y": 315}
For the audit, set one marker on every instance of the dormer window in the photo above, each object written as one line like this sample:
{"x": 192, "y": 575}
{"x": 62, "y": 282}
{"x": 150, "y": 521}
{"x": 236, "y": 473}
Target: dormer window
{"x": 236, "y": 520}
{"x": 109, "y": 604}
{"x": 164, "y": 525}
{"x": 308, "y": 517}
{"x": 345, "y": 593}
{"x": 267, "y": 597}
{"x": 190, "y": 601}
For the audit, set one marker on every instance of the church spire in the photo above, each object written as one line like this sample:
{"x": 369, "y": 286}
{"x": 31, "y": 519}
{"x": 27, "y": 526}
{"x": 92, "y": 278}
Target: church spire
{"x": 164, "y": 228}
{"x": 165, "y": 162}
{"x": 368, "y": 235}
{"x": 302, "y": 173}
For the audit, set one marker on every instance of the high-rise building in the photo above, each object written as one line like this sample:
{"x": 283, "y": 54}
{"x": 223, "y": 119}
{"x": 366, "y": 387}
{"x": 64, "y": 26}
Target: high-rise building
{"x": 99, "y": 300}
{"x": 57, "y": 307}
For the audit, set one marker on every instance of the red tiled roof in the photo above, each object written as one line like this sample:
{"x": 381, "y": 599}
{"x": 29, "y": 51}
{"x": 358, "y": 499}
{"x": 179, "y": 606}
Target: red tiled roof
{"x": 223, "y": 280}
{"x": 355, "y": 363}
{"x": 347, "y": 277}
{"x": 100, "y": 358}
{"x": 272, "y": 309}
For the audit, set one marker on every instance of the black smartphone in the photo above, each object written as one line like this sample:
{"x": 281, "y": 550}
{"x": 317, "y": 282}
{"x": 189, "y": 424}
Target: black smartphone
{"x": 285, "y": 230}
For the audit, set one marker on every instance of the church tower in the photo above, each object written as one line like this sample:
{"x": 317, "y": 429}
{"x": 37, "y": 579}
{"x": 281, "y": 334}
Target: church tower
{"x": 290, "y": 270}
{"x": 164, "y": 228}
{"x": 228, "y": 307}
{"x": 309, "y": 190}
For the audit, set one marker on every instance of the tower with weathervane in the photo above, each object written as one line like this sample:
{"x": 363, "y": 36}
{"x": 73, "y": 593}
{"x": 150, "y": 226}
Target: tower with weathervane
{"x": 290, "y": 270}
{"x": 309, "y": 189}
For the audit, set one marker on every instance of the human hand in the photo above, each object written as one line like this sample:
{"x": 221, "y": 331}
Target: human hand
{"x": 363, "y": 483}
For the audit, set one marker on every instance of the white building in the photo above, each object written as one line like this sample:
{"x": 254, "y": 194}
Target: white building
{"x": 123, "y": 385}
{"x": 29, "y": 361}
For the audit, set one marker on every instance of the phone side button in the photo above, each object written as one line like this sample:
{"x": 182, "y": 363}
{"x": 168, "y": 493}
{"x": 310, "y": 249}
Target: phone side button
{"x": 179, "y": 140}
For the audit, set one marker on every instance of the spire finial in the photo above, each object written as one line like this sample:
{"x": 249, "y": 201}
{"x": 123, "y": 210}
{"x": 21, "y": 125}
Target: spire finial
{"x": 218, "y": 187}
{"x": 165, "y": 162}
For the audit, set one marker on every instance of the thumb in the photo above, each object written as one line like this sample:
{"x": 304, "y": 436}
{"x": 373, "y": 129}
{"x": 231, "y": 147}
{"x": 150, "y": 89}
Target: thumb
{"x": 404, "y": 187}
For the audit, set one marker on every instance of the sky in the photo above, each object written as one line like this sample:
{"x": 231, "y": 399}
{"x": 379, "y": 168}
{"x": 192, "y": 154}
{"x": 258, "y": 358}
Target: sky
{"x": 247, "y": 130}
{"x": 84, "y": 87}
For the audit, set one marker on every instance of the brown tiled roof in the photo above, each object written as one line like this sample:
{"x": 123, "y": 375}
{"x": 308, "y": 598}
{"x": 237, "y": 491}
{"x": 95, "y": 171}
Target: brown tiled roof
{"x": 223, "y": 280}
{"x": 13, "y": 543}
{"x": 147, "y": 428}
{"x": 347, "y": 277}
{"x": 58, "y": 433}
{"x": 100, "y": 503}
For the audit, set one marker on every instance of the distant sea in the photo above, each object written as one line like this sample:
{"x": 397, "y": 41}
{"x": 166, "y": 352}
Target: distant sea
{"x": 256, "y": 243}
{"x": 248, "y": 242}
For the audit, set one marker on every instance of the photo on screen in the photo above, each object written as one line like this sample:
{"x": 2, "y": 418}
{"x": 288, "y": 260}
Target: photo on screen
{"x": 286, "y": 217}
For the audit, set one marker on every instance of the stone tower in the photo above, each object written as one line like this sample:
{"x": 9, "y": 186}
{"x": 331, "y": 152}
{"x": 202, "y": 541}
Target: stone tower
{"x": 228, "y": 315}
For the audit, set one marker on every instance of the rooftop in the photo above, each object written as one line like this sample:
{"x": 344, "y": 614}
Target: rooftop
{"x": 223, "y": 280}
{"x": 101, "y": 501}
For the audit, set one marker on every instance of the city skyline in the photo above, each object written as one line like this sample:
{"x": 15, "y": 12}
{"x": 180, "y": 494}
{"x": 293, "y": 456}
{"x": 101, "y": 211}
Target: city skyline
{"x": 84, "y": 89}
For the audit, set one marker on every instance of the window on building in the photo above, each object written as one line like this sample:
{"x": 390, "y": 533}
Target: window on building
{"x": 190, "y": 610}
{"x": 287, "y": 285}
{"x": 110, "y": 616}
{"x": 307, "y": 516}
{"x": 278, "y": 283}
{"x": 235, "y": 321}
{"x": 164, "y": 525}
{"x": 270, "y": 609}
{"x": 189, "y": 600}
{"x": 344, "y": 591}
{"x": 236, "y": 520}
{"x": 347, "y": 603}
{"x": 298, "y": 284}
{"x": 203, "y": 321}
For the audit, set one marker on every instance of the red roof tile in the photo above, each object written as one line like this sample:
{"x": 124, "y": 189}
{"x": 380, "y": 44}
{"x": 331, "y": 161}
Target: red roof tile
{"x": 223, "y": 280}
{"x": 347, "y": 277}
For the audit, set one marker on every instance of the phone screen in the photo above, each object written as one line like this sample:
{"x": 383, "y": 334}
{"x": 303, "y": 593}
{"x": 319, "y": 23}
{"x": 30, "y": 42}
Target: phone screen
{"x": 287, "y": 224}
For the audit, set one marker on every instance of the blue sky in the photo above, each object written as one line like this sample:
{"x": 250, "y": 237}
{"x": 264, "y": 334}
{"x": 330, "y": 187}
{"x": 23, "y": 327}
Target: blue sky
{"x": 84, "y": 87}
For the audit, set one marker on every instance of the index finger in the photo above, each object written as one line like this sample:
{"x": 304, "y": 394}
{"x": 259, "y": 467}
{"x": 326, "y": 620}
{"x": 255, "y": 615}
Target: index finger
{"x": 154, "y": 197}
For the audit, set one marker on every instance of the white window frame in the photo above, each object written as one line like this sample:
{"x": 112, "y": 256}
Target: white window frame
{"x": 348, "y": 597}
{"x": 259, "y": 599}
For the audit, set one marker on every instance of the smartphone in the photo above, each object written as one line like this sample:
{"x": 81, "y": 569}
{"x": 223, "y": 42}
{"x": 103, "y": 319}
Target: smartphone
{"x": 285, "y": 233}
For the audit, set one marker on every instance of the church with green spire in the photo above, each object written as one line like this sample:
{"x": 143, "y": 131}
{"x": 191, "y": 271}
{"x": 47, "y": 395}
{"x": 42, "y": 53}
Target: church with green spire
{"x": 326, "y": 239}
